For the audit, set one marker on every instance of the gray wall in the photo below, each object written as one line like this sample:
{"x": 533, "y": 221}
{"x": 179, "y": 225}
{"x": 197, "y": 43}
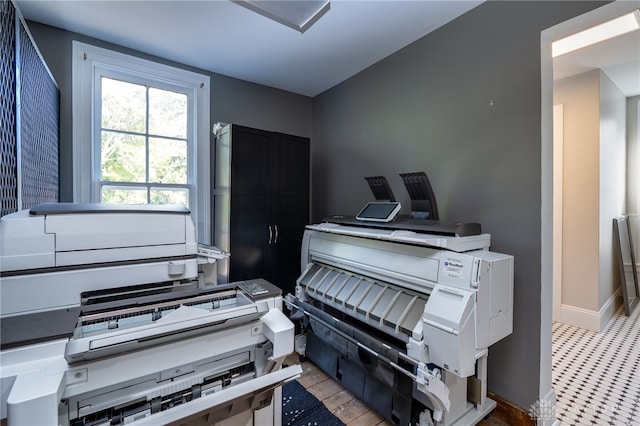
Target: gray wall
{"x": 612, "y": 196}
{"x": 232, "y": 100}
{"x": 579, "y": 95}
{"x": 633, "y": 157}
{"x": 633, "y": 172}
{"x": 428, "y": 108}
{"x": 593, "y": 186}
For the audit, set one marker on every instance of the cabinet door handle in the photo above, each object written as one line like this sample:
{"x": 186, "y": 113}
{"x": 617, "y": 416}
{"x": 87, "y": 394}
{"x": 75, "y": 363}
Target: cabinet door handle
{"x": 270, "y": 234}
{"x": 276, "y": 239}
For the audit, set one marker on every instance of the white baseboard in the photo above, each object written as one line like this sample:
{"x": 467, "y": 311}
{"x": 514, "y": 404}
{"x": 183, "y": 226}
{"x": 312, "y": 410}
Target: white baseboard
{"x": 591, "y": 320}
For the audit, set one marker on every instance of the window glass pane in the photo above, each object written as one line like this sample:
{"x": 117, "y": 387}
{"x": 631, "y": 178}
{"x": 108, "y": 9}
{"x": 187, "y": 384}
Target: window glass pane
{"x": 169, "y": 196}
{"x": 123, "y": 106}
{"x": 167, "y": 113}
{"x": 116, "y": 195}
{"x": 167, "y": 160}
{"x": 123, "y": 157}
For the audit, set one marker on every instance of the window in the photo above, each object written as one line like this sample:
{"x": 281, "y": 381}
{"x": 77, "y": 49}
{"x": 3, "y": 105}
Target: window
{"x": 140, "y": 133}
{"x": 143, "y": 144}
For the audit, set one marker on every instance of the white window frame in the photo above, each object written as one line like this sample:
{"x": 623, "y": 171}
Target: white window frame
{"x": 90, "y": 63}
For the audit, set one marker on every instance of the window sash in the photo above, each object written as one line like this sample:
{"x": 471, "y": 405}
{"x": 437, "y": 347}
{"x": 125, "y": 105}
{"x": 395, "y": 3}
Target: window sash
{"x": 99, "y": 73}
{"x": 147, "y": 187}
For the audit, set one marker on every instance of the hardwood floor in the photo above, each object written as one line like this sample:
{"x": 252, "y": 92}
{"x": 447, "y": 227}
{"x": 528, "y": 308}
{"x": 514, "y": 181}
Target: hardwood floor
{"x": 342, "y": 403}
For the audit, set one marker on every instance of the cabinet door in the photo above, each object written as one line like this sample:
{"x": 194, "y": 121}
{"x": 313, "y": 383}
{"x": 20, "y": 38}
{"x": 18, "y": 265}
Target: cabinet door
{"x": 250, "y": 201}
{"x": 290, "y": 181}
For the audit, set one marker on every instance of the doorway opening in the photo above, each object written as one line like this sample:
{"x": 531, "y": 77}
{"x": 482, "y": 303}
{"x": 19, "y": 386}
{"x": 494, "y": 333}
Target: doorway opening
{"x": 554, "y": 195}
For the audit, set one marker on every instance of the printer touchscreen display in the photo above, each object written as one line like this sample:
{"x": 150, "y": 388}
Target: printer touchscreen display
{"x": 379, "y": 211}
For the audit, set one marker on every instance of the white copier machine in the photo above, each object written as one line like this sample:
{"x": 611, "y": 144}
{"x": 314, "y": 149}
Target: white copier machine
{"x": 403, "y": 314}
{"x": 109, "y": 317}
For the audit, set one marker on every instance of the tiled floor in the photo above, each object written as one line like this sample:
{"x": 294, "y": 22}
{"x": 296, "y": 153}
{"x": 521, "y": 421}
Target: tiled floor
{"x": 596, "y": 376}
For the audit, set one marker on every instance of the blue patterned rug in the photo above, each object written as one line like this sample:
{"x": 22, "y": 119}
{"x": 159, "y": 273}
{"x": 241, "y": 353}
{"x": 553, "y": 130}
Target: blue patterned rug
{"x": 299, "y": 407}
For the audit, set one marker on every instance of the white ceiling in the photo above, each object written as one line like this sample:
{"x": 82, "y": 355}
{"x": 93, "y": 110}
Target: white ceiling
{"x": 226, "y": 38}
{"x": 223, "y": 37}
{"x": 619, "y": 58}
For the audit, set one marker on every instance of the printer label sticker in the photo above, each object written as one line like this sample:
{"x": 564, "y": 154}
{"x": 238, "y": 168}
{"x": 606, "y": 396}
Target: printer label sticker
{"x": 454, "y": 268}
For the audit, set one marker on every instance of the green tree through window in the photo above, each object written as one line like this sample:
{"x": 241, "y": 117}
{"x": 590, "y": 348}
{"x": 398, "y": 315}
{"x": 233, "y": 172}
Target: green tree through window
{"x": 144, "y": 143}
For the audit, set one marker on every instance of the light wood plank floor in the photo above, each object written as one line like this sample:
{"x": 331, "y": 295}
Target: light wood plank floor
{"x": 342, "y": 403}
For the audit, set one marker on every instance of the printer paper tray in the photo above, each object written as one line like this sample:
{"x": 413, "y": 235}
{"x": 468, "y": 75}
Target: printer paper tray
{"x": 99, "y": 346}
{"x": 224, "y": 404}
{"x": 391, "y": 309}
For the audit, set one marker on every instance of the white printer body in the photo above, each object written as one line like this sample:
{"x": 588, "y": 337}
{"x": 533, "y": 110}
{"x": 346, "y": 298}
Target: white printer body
{"x": 108, "y": 316}
{"x": 404, "y": 318}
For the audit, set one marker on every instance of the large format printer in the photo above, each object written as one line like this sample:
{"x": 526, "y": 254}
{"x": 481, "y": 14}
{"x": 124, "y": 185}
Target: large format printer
{"x": 108, "y": 317}
{"x": 403, "y": 313}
